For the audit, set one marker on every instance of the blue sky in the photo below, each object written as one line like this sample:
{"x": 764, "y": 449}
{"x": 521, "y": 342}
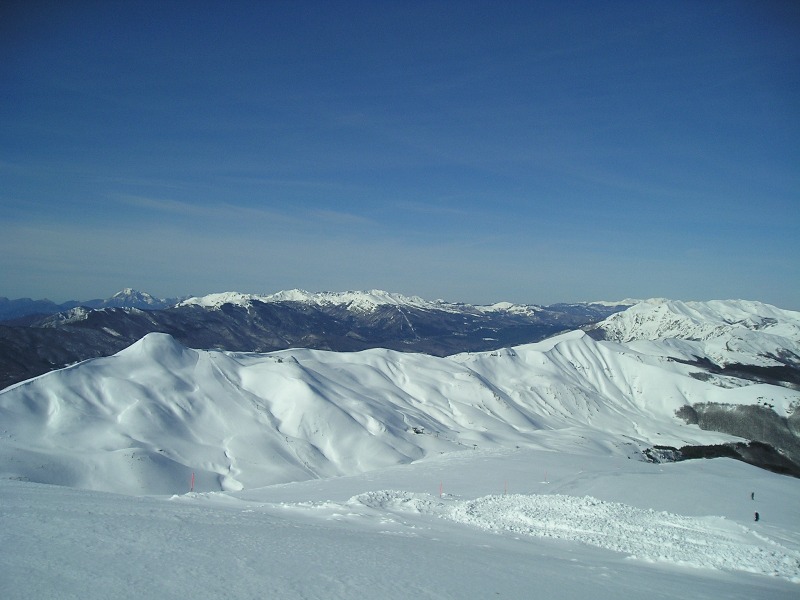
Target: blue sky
{"x": 471, "y": 151}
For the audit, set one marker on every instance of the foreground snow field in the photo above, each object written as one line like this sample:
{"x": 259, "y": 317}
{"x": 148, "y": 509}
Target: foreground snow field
{"x": 569, "y": 526}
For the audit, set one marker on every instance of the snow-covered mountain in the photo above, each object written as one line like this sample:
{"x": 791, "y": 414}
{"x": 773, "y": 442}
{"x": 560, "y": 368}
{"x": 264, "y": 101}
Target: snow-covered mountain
{"x": 365, "y": 301}
{"x": 324, "y": 474}
{"x": 131, "y": 298}
{"x": 142, "y": 420}
{"x": 369, "y": 301}
{"x": 21, "y": 309}
{"x": 344, "y": 321}
{"x": 724, "y": 332}
{"x": 356, "y": 301}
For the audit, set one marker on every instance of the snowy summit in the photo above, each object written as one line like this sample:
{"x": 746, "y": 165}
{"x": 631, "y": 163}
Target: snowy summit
{"x": 361, "y": 301}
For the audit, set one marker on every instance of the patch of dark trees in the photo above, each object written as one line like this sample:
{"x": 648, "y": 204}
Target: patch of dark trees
{"x": 786, "y": 374}
{"x": 753, "y": 453}
{"x": 751, "y": 422}
{"x": 774, "y": 445}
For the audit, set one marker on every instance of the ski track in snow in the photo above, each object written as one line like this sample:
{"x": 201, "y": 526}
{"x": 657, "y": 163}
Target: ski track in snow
{"x": 645, "y": 534}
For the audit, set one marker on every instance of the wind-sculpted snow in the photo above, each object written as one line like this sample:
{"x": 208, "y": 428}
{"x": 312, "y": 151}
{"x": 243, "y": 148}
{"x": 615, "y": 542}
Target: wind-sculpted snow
{"x": 707, "y": 542}
{"x": 645, "y": 534}
{"x": 148, "y": 418}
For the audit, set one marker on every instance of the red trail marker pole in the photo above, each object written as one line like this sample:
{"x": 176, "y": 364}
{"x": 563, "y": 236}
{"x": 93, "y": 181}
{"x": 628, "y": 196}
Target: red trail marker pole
{"x": 191, "y": 488}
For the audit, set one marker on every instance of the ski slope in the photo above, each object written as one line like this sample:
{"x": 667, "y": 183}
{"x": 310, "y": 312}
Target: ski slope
{"x": 510, "y": 524}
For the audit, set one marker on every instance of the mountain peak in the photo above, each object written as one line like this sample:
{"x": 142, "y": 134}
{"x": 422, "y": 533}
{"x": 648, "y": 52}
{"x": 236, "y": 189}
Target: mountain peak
{"x": 364, "y": 301}
{"x": 219, "y": 299}
{"x": 162, "y": 349}
{"x": 130, "y": 293}
{"x": 724, "y": 331}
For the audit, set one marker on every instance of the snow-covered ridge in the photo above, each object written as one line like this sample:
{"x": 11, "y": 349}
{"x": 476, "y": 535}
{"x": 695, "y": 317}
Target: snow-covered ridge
{"x": 363, "y": 301}
{"x": 508, "y": 307}
{"x": 625, "y": 302}
{"x": 147, "y": 417}
{"x": 725, "y": 331}
{"x": 220, "y": 299}
{"x": 80, "y": 313}
{"x": 475, "y": 466}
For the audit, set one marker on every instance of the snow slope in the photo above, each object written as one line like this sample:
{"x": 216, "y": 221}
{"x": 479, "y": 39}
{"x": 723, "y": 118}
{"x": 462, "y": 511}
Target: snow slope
{"x": 143, "y": 420}
{"x": 725, "y": 332}
{"x": 571, "y": 527}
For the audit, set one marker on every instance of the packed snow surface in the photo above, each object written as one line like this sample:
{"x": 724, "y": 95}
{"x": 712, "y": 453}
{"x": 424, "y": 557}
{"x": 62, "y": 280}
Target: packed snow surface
{"x": 706, "y": 542}
{"x": 571, "y": 526}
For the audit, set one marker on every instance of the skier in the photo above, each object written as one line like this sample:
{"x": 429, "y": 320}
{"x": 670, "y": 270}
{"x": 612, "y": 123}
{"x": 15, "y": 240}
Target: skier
{"x": 756, "y": 517}
{"x": 752, "y": 495}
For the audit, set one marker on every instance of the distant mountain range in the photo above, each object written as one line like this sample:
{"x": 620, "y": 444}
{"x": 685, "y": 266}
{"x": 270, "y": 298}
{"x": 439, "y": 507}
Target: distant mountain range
{"x": 35, "y": 343}
{"x": 22, "y": 308}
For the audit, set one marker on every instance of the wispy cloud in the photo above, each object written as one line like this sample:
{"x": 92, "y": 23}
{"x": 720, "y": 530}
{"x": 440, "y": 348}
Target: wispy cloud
{"x": 336, "y": 217}
{"x": 161, "y": 204}
{"x": 283, "y": 182}
{"x": 224, "y": 210}
{"x": 435, "y": 208}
